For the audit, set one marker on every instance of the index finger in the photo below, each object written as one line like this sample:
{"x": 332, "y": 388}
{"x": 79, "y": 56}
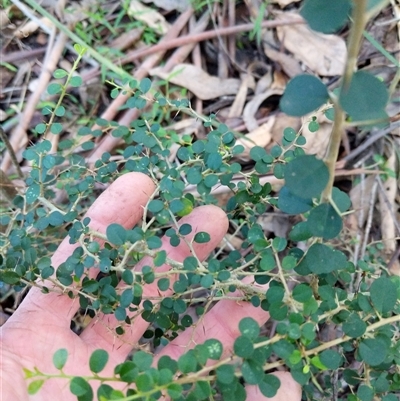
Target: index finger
{"x": 122, "y": 202}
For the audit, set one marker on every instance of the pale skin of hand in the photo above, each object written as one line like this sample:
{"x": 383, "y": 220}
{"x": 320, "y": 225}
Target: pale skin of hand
{"x": 41, "y": 324}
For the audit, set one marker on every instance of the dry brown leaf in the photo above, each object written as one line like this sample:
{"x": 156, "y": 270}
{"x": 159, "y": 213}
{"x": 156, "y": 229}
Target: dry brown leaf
{"x": 278, "y": 224}
{"x": 360, "y": 196}
{"x": 203, "y": 85}
{"x": 276, "y": 184}
{"x": 4, "y": 21}
{"x": 187, "y": 126}
{"x": 289, "y": 65}
{"x": 323, "y": 54}
{"x": 280, "y": 80}
{"x": 260, "y": 136}
{"x": 3, "y": 115}
{"x": 264, "y": 83}
{"x": 170, "y": 5}
{"x": 251, "y": 108}
{"x": 284, "y": 3}
{"x": 240, "y": 99}
{"x": 31, "y": 27}
{"x": 126, "y": 39}
{"x": 152, "y": 18}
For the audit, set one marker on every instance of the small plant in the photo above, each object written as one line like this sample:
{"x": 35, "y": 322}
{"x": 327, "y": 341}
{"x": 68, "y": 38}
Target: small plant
{"x": 306, "y": 281}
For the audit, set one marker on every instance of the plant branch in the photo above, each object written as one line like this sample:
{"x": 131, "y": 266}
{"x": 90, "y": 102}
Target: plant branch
{"x": 360, "y": 19}
{"x": 337, "y": 341}
{"x": 356, "y": 34}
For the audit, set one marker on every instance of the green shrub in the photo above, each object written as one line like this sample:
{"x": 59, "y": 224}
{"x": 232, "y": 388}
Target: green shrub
{"x": 308, "y": 287}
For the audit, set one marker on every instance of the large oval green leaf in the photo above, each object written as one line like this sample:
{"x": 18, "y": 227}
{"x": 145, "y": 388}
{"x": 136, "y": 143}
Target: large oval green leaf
{"x": 303, "y": 94}
{"x": 321, "y": 259}
{"x": 383, "y": 294}
{"x": 306, "y": 176}
{"x": 326, "y": 16}
{"x": 373, "y": 351}
{"x": 324, "y": 221}
{"x": 292, "y": 204}
{"x": 116, "y": 234}
{"x": 365, "y": 98}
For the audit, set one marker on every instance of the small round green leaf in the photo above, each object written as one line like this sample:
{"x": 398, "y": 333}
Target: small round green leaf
{"x": 126, "y": 297}
{"x": 145, "y": 85}
{"x": 76, "y": 81}
{"x": 163, "y": 284}
{"x": 365, "y": 393}
{"x": 154, "y": 242}
{"x": 9, "y": 277}
{"x": 79, "y": 49}
{"x": 98, "y": 360}
{"x": 127, "y": 277}
{"x": 59, "y": 111}
{"x": 303, "y": 94}
{"x": 214, "y": 161}
{"x": 278, "y": 311}
{"x": 187, "y": 362}
{"x": 225, "y": 374}
{"x": 142, "y": 360}
{"x": 248, "y": 327}
{"x": 56, "y": 128}
{"x": 186, "y": 209}
{"x": 306, "y": 176}
{"x": 160, "y": 258}
{"x": 60, "y": 358}
{"x": 174, "y": 390}
{"x": 341, "y": 199}
{"x": 40, "y": 128}
{"x": 54, "y": 88}
{"x": 185, "y": 229}
{"x": 116, "y": 234}
{"x": 32, "y": 193}
{"x": 214, "y": 349}
{"x": 372, "y": 351}
{"x": 354, "y": 326}
{"x": 269, "y": 386}
{"x": 128, "y": 371}
{"x": 279, "y": 244}
{"x": 155, "y": 206}
{"x": 80, "y": 387}
{"x": 207, "y": 281}
{"x": 59, "y": 73}
{"x": 35, "y": 386}
{"x": 252, "y": 371}
{"x": 201, "y": 237}
{"x": 331, "y": 359}
{"x": 243, "y": 347}
{"x": 302, "y": 293}
{"x": 257, "y": 153}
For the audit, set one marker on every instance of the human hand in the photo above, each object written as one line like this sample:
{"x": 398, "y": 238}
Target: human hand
{"x": 41, "y": 324}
